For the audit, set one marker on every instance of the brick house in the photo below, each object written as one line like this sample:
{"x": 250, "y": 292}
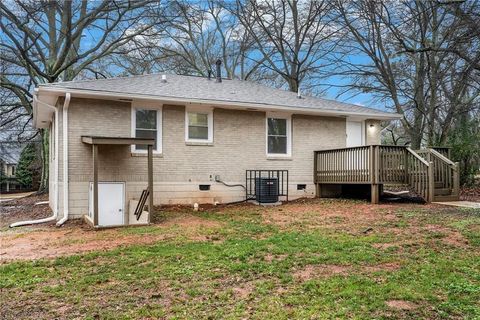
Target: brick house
{"x": 189, "y": 139}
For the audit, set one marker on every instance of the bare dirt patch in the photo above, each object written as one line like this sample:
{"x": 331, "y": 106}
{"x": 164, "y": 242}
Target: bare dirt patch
{"x": 271, "y": 257}
{"x": 180, "y": 222}
{"x": 401, "y": 305}
{"x": 320, "y": 271}
{"x": 23, "y": 209}
{"x": 451, "y": 237}
{"x": 384, "y": 246}
{"x": 388, "y": 266}
{"x": 244, "y": 290}
{"x": 353, "y": 217}
{"x": 75, "y": 238}
{"x": 50, "y": 242}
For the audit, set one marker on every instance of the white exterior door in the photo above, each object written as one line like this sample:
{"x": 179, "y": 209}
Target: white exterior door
{"x": 355, "y": 134}
{"x": 111, "y": 203}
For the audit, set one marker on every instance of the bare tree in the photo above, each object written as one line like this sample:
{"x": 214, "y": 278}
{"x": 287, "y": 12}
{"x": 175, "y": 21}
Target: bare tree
{"x": 427, "y": 87}
{"x": 50, "y": 41}
{"x": 292, "y": 38}
{"x": 196, "y": 36}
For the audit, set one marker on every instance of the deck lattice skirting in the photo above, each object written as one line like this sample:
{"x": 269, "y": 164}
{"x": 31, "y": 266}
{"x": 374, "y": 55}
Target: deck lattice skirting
{"x": 429, "y": 173}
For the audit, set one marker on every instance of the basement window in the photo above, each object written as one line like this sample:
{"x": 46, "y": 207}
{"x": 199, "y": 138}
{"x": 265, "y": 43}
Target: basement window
{"x": 204, "y": 187}
{"x": 301, "y": 186}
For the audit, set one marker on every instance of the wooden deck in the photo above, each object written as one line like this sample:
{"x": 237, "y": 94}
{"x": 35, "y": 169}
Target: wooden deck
{"x": 429, "y": 173}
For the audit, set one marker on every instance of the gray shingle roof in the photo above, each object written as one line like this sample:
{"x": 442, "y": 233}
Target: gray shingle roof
{"x": 199, "y": 88}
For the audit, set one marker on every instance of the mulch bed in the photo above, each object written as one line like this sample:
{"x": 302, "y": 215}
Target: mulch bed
{"x": 470, "y": 193}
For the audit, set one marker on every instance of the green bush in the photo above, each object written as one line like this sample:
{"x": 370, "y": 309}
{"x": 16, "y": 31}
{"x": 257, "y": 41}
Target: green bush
{"x": 29, "y": 166}
{"x": 465, "y": 142}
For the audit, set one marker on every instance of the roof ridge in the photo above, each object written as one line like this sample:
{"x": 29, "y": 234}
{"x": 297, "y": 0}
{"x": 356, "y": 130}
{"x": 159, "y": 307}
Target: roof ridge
{"x": 130, "y": 77}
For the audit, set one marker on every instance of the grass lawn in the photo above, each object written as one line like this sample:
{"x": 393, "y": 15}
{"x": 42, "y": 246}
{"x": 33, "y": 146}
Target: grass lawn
{"x": 312, "y": 259}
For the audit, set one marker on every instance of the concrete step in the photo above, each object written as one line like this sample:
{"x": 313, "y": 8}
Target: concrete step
{"x": 445, "y": 198}
{"x": 443, "y": 192}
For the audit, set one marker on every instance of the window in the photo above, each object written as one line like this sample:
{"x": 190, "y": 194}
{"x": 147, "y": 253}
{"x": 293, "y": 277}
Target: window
{"x": 199, "y": 125}
{"x": 278, "y": 136}
{"x": 13, "y": 170}
{"x": 146, "y": 123}
{"x": 301, "y": 186}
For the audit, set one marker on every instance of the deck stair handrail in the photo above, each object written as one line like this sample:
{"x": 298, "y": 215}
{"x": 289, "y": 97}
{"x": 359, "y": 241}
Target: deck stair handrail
{"x": 420, "y": 175}
{"x": 446, "y": 173}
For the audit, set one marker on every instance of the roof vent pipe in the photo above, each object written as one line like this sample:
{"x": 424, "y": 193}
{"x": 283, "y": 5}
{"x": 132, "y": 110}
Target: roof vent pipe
{"x": 164, "y": 78}
{"x": 299, "y": 95}
{"x": 219, "y": 70}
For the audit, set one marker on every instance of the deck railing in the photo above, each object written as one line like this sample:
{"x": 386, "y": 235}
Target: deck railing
{"x": 392, "y": 164}
{"x": 376, "y": 164}
{"x": 420, "y": 175}
{"x": 445, "y": 172}
{"x": 354, "y": 165}
{"x": 444, "y": 151}
{"x": 347, "y": 165}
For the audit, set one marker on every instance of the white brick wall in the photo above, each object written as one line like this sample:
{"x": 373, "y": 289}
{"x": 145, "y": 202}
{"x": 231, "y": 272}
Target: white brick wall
{"x": 239, "y": 144}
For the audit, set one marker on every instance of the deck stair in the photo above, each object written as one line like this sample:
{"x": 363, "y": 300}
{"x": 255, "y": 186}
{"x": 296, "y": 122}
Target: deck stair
{"x": 427, "y": 172}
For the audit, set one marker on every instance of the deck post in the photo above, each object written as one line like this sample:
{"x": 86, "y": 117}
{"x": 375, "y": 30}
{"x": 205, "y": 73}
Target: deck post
{"x": 373, "y": 166}
{"x": 456, "y": 179}
{"x": 375, "y": 193}
{"x": 431, "y": 182}
{"x": 95, "y": 184}
{"x": 150, "y": 182}
{"x": 315, "y": 169}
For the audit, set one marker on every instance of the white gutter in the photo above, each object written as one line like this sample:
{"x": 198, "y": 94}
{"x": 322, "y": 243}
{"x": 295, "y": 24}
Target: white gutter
{"x": 66, "y": 104}
{"x": 223, "y": 103}
{"x": 55, "y": 209}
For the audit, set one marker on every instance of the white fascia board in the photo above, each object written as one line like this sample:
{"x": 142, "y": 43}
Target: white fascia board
{"x": 221, "y": 103}
{"x": 43, "y": 109}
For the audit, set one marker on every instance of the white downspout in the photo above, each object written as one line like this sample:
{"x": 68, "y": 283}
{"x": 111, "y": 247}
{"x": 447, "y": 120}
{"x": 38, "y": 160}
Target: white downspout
{"x": 65, "y": 159}
{"x": 55, "y": 208}
{"x": 55, "y": 167}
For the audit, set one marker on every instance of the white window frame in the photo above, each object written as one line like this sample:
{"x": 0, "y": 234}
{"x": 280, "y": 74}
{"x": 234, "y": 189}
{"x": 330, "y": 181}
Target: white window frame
{"x": 204, "y": 110}
{"x": 288, "y": 117}
{"x": 147, "y": 106}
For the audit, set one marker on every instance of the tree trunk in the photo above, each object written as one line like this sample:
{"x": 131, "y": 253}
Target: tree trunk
{"x": 43, "y": 188}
